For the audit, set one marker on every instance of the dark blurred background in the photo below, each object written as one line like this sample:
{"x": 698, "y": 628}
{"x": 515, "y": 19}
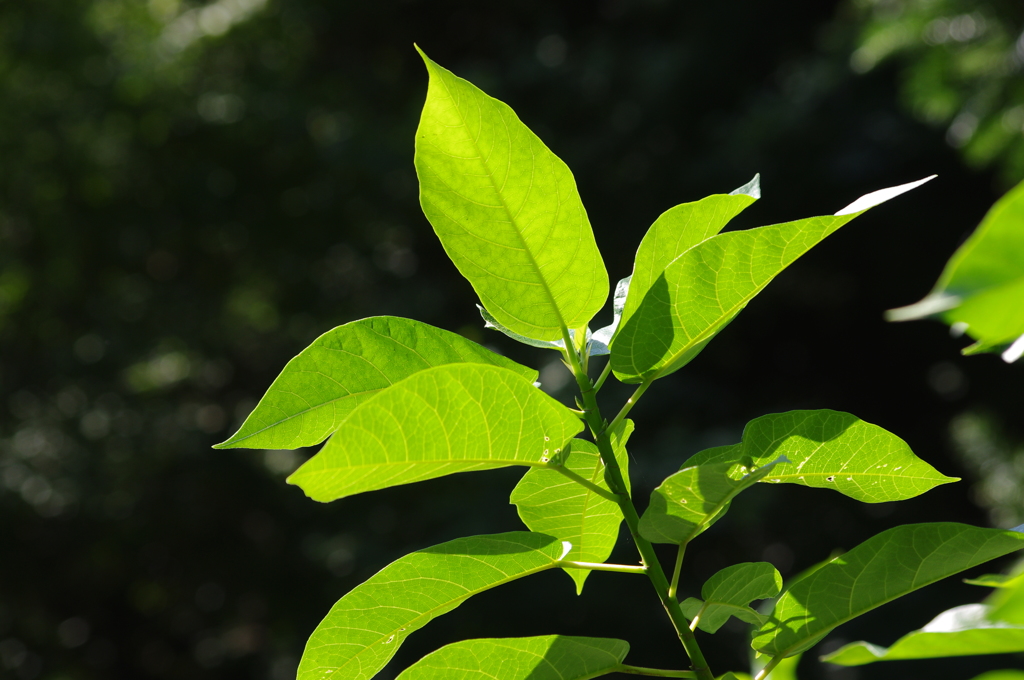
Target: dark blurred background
{"x": 191, "y": 192}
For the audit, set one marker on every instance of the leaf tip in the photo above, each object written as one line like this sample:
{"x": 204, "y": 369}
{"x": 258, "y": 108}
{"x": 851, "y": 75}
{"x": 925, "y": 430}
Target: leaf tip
{"x": 751, "y": 188}
{"x": 881, "y": 196}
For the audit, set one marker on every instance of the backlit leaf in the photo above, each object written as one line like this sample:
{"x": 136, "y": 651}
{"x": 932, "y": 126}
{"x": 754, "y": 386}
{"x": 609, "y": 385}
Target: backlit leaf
{"x": 549, "y": 657}
{"x": 550, "y": 503}
{"x": 831, "y": 450}
{"x": 507, "y": 212}
{"x": 704, "y": 288}
{"x": 961, "y": 631}
{"x": 367, "y": 626}
{"x": 452, "y": 418}
{"x": 879, "y": 570}
{"x": 344, "y": 367}
{"x": 981, "y": 290}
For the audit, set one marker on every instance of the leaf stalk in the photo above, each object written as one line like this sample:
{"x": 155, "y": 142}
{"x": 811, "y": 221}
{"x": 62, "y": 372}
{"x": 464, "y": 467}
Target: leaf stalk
{"x": 598, "y": 566}
{"x": 656, "y": 672}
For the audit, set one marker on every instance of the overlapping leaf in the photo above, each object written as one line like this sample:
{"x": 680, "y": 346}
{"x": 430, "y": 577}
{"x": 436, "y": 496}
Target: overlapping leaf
{"x": 366, "y": 627}
{"x": 452, "y": 418}
{"x": 507, "y": 212}
{"x": 693, "y": 499}
{"x": 550, "y": 503}
{"x": 879, "y": 570}
{"x": 1008, "y": 602}
{"x": 730, "y": 592}
{"x": 345, "y": 366}
{"x": 981, "y": 290}
{"x": 549, "y": 657}
{"x": 704, "y": 288}
{"x": 831, "y": 450}
{"x": 961, "y": 631}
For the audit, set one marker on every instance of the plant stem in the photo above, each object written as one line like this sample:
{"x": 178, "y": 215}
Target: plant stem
{"x": 604, "y": 376}
{"x": 624, "y": 411}
{"x": 597, "y": 566}
{"x": 657, "y": 672}
{"x": 674, "y": 585}
{"x": 768, "y": 668}
{"x": 592, "y": 415}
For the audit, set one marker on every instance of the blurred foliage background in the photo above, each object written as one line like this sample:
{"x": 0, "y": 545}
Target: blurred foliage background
{"x": 191, "y": 192}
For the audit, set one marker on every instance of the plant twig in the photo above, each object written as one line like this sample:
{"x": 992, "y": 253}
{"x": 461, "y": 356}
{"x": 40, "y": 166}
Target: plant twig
{"x": 674, "y": 585}
{"x": 630, "y": 403}
{"x": 768, "y": 668}
{"x": 604, "y": 376}
{"x": 656, "y": 672}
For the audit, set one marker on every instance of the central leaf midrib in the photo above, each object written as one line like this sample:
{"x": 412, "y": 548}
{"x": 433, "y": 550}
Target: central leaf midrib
{"x": 512, "y": 220}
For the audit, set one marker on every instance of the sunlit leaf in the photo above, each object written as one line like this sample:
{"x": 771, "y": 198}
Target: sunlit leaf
{"x": 507, "y": 212}
{"x": 550, "y": 657}
{"x": 981, "y": 290}
{"x": 730, "y": 592}
{"x": 452, "y": 418}
{"x": 366, "y": 627}
{"x": 603, "y": 336}
{"x": 703, "y": 289}
{"x": 693, "y": 499}
{"x": 879, "y": 570}
{"x": 961, "y": 631}
{"x": 345, "y": 366}
{"x": 831, "y": 450}
{"x": 1008, "y": 603}
{"x": 550, "y": 503}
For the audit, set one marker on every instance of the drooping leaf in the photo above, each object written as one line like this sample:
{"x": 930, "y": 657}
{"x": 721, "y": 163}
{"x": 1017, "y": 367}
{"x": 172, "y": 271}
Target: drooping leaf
{"x": 452, "y": 418}
{"x": 603, "y": 336}
{"x": 507, "y": 212}
{"x": 344, "y": 367}
{"x": 679, "y": 229}
{"x": 492, "y": 323}
{"x": 703, "y": 289}
{"x": 549, "y": 657}
{"x": 730, "y": 592}
{"x": 961, "y": 631}
{"x": 981, "y": 290}
{"x": 367, "y": 626}
{"x": 693, "y": 499}
{"x": 550, "y": 503}
{"x": 879, "y": 570}
{"x": 831, "y": 450}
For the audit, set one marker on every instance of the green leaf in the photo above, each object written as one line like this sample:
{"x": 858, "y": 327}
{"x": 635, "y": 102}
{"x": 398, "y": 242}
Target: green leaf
{"x": 679, "y": 229}
{"x": 730, "y": 592}
{"x": 1007, "y": 674}
{"x": 694, "y": 498}
{"x": 550, "y": 503}
{"x": 603, "y": 336}
{"x": 961, "y": 631}
{"x": 452, "y": 418}
{"x": 1008, "y": 603}
{"x": 879, "y": 570}
{"x": 549, "y": 657}
{"x": 344, "y": 367}
{"x": 981, "y": 290}
{"x": 705, "y": 287}
{"x": 995, "y": 580}
{"x": 366, "y": 627}
{"x": 831, "y": 450}
{"x": 507, "y": 212}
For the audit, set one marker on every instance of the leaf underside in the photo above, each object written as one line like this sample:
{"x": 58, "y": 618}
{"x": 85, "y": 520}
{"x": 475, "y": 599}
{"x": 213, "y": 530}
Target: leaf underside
{"x": 831, "y": 450}
{"x": 344, "y": 367}
{"x": 879, "y": 570}
{"x": 730, "y": 592}
{"x": 507, "y": 212}
{"x": 549, "y": 657}
{"x": 367, "y": 626}
{"x": 453, "y": 418}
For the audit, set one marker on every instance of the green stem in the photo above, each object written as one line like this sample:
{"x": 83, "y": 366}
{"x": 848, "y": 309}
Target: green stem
{"x": 583, "y": 481}
{"x": 655, "y": 573}
{"x": 656, "y": 672}
{"x": 674, "y": 585}
{"x": 598, "y": 566}
{"x": 768, "y": 668}
{"x": 624, "y": 411}
{"x": 604, "y": 376}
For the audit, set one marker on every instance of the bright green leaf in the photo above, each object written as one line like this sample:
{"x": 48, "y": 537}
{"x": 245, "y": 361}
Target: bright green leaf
{"x": 995, "y": 580}
{"x": 507, "y": 212}
{"x": 679, "y": 229}
{"x": 366, "y": 627}
{"x": 981, "y": 290}
{"x": 452, "y": 418}
{"x": 831, "y": 450}
{"x": 345, "y": 366}
{"x": 961, "y": 631}
{"x": 730, "y": 592}
{"x": 703, "y": 289}
{"x": 549, "y": 657}
{"x": 694, "y": 498}
{"x": 550, "y": 503}
{"x": 879, "y": 570}
{"x": 1008, "y": 603}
